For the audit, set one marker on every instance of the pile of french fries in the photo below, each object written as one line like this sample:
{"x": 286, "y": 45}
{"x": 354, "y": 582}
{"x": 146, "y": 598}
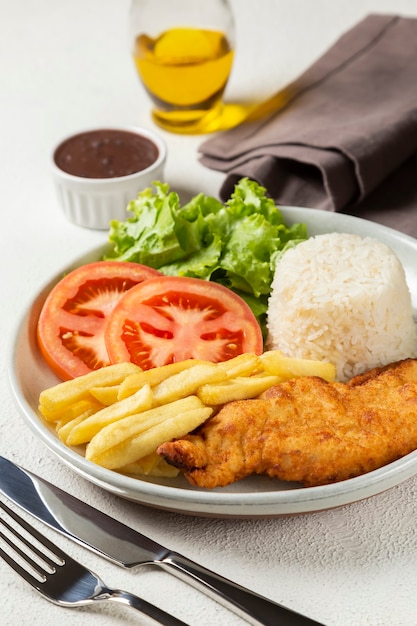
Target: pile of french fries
{"x": 122, "y": 414}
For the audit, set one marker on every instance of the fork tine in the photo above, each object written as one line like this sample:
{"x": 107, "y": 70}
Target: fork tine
{"x": 37, "y": 566}
{"x": 19, "y": 569}
{"x": 51, "y": 547}
{"x": 34, "y": 564}
{"x": 24, "y": 540}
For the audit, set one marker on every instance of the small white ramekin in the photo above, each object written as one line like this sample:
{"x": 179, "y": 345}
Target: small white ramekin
{"x": 94, "y": 202}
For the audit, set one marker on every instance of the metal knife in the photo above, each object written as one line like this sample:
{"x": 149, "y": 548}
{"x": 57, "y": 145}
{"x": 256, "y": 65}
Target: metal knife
{"x": 127, "y": 547}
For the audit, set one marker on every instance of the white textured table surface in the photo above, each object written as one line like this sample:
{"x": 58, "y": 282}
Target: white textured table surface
{"x": 66, "y": 66}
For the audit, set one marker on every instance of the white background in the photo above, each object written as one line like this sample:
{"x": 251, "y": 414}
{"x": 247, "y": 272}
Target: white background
{"x": 65, "y": 66}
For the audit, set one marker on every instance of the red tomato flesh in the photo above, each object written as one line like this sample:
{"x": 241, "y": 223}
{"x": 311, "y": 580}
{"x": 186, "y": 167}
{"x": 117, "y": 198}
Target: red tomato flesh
{"x": 168, "y": 319}
{"x": 72, "y": 321}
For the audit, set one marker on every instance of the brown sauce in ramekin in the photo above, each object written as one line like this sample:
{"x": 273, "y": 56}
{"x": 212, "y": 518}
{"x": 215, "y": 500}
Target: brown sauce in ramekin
{"x": 105, "y": 153}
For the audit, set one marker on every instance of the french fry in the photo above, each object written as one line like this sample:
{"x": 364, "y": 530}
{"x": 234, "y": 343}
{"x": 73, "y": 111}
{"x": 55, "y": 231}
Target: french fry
{"x": 174, "y": 427}
{"x": 153, "y": 376}
{"x": 240, "y": 388}
{"x": 151, "y": 465}
{"x": 55, "y": 399}
{"x": 275, "y": 363}
{"x": 133, "y": 425}
{"x": 106, "y": 395}
{"x": 143, "y": 466}
{"x": 74, "y": 410}
{"x": 245, "y": 364}
{"x": 186, "y": 382}
{"x": 85, "y": 430}
{"x": 64, "y": 429}
{"x": 147, "y": 440}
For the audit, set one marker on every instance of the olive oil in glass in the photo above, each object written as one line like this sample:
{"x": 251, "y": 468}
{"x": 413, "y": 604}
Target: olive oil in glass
{"x": 183, "y": 59}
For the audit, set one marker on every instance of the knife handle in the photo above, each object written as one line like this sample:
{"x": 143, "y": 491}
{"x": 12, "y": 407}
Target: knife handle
{"x": 250, "y": 606}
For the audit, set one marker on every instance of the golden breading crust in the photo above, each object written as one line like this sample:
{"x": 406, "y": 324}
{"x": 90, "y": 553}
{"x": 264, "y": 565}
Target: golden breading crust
{"x": 306, "y": 430}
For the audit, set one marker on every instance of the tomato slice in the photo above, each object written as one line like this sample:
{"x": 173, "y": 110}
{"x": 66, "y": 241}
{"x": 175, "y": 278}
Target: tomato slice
{"x": 71, "y": 324}
{"x": 168, "y": 319}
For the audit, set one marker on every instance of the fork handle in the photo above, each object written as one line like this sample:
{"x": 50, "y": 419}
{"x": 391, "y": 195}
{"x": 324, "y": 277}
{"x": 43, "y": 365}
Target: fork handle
{"x": 249, "y": 605}
{"x": 160, "y": 616}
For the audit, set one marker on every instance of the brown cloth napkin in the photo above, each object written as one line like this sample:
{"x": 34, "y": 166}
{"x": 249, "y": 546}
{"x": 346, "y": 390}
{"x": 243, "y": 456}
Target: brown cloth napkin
{"x": 347, "y": 138}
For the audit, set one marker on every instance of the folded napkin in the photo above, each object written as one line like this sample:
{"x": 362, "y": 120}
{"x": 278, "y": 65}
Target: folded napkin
{"x": 348, "y": 126}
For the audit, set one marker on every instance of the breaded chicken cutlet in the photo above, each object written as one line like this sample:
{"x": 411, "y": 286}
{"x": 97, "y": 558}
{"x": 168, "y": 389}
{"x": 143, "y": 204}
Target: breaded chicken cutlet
{"x": 306, "y": 430}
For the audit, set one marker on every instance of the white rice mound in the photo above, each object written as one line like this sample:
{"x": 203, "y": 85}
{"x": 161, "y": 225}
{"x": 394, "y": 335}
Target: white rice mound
{"x": 344, "y": 299}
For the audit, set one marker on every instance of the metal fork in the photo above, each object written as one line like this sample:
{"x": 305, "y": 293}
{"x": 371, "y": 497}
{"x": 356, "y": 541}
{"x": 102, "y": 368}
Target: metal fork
{"x": 59, "y": 578}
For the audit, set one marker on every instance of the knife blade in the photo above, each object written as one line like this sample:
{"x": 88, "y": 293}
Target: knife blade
{"x": 128, "y": 548}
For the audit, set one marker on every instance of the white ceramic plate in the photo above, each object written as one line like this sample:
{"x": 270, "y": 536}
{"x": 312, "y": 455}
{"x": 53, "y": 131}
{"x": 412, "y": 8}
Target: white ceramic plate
{"x": 252, "y": 497}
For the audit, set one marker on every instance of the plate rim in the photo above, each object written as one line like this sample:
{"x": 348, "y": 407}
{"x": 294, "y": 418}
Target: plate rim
{"x": 246, "y": 504}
